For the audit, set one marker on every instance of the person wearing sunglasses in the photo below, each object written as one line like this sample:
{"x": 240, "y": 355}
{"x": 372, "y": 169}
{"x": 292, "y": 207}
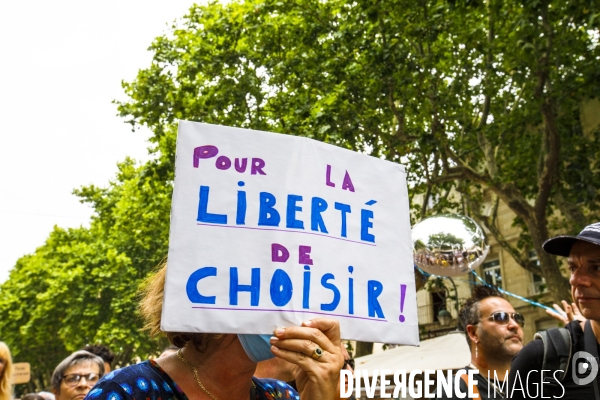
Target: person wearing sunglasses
{"x": 76, "y": 375}
{"x": 494, "y": 333}
{"x": 574, "y": 375}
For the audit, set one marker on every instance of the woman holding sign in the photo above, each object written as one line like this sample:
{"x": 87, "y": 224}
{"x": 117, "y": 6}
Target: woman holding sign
{"x": 221, "y": 366}
{"x": 6, "y": 372}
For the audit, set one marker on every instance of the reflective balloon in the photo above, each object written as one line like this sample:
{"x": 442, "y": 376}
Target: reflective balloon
{"x": 448, "y": 244}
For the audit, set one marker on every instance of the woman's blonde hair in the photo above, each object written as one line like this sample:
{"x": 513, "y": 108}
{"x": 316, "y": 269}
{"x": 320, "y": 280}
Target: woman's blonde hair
{"x": 6, "y": 377}
{"x": 153, "y": 290}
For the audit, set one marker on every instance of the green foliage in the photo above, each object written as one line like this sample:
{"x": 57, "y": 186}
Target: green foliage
{"x": 80, "y": 287}
{"x": 481, "y": 101}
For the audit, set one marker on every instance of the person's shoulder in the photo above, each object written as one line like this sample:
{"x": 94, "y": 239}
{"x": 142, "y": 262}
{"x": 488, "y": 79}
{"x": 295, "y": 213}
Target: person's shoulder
{"x": 531, "y": 353}
{"x": 128, "y": 373}
{"x": 116, "y": 385}
{"x": 132, "y": 382}
{"x": 530, "y": 358}
{"x": 273, "y": 388}
{"x": 575, "y": 329}
{"x": 109, "y": 389}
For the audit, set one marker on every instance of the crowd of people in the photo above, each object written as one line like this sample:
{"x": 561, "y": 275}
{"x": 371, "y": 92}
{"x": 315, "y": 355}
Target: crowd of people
{"x": 305, "y": 361}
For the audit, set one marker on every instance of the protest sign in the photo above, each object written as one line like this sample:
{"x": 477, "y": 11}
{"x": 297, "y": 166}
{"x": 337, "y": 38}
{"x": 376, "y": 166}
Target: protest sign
{"x": 21, "y": 373}
{"x": 269, "y": 230}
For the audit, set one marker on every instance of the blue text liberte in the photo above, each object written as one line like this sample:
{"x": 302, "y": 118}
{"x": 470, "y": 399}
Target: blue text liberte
{"x": 268, "y": 214}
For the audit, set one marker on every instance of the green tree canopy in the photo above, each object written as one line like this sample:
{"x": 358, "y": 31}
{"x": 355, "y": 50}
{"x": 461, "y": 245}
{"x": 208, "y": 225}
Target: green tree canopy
{"x": 81, "y": 286}
{"x": 479, "y": 98}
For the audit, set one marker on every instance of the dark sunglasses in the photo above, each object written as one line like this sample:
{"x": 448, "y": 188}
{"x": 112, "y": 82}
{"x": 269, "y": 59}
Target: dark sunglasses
{"x": 349, "y": 362}
{"x": 73, "y": 379}
{"x": 502, "y": 318}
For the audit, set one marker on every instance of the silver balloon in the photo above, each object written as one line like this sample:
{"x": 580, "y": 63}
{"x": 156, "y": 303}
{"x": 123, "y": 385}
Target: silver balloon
{"x": 448, "y": 244}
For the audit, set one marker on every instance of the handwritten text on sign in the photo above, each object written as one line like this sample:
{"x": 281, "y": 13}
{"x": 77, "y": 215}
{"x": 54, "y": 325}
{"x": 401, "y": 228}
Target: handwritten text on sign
{"x": 269, "y": 230}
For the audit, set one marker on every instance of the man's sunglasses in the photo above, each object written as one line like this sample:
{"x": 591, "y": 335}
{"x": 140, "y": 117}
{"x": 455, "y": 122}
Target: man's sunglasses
{"x": 502, "y": 318}
{"x": 348, "y": 362}
{"x": 73, "y": 379}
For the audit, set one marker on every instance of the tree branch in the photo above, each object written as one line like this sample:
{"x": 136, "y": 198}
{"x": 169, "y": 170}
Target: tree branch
{"x": 570, "y": 210}
{"x": 484, "y": 143}
{"x": 507, "y": 192}
{"x": 550, "y": 148}
{"x": 490, "y": 223}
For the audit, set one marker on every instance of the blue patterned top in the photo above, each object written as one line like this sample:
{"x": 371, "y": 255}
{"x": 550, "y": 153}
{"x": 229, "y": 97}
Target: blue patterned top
{"x": 148, "y": 381}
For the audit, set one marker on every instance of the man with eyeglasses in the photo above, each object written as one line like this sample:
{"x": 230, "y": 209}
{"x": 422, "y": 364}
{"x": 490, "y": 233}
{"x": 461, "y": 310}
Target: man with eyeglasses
{"x": 75, "y": 375}
{"x": 494, "y": 334}
{"x": 574, "y": 350}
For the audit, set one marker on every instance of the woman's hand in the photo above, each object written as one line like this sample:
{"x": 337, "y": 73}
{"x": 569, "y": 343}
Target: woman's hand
{"x": 570, "y": 313}
{"x": 318, "y": 376}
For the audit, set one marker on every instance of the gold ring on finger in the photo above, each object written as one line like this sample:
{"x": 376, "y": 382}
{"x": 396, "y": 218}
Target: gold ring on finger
{"x": 317, "y": 353}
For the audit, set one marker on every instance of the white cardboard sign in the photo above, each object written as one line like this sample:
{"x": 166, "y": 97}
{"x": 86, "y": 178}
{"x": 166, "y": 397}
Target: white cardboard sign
{"x": 269, "y": 230}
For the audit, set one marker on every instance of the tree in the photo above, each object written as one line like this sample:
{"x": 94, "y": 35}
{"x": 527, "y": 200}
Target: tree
{"x": 81, "y": 286}
{"x": 478, "y": 98}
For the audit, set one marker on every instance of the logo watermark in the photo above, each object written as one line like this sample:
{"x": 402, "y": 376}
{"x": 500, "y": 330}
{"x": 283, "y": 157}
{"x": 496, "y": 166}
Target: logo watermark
{"x": 585, "y": 368}
{"x": 436, "y": 383}
{"x": 416, "y": 383}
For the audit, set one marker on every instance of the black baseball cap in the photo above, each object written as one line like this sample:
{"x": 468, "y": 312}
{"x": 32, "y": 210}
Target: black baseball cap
{"x": 561, "y": 245}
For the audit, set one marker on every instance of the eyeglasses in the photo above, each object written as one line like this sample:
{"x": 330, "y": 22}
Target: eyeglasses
{"x": 73, "y": 379}
{"x": 502, "y": 318}
{"x": 348, "y": 362}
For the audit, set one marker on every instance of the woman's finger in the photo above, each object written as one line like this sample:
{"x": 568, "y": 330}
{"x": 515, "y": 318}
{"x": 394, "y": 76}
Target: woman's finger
{"x": 329, "y": 327}
{"x": 310, "y": 332}
{"x": 304, "y": 361}
{"x": 317, "y": 377}
{"x": 304, "y": 346}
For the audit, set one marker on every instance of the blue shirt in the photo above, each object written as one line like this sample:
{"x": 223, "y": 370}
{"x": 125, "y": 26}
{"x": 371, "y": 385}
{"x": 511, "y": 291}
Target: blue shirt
{"x": 148, "y": 381}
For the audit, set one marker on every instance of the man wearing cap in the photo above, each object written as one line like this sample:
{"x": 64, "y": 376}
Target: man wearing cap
{"x": 580, "y": 380}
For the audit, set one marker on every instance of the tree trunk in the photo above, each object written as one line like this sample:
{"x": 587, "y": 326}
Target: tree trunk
{"x": 558, "y": 286}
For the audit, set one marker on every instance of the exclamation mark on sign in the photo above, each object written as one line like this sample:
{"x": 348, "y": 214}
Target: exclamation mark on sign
{"x": 402, "y": 296}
